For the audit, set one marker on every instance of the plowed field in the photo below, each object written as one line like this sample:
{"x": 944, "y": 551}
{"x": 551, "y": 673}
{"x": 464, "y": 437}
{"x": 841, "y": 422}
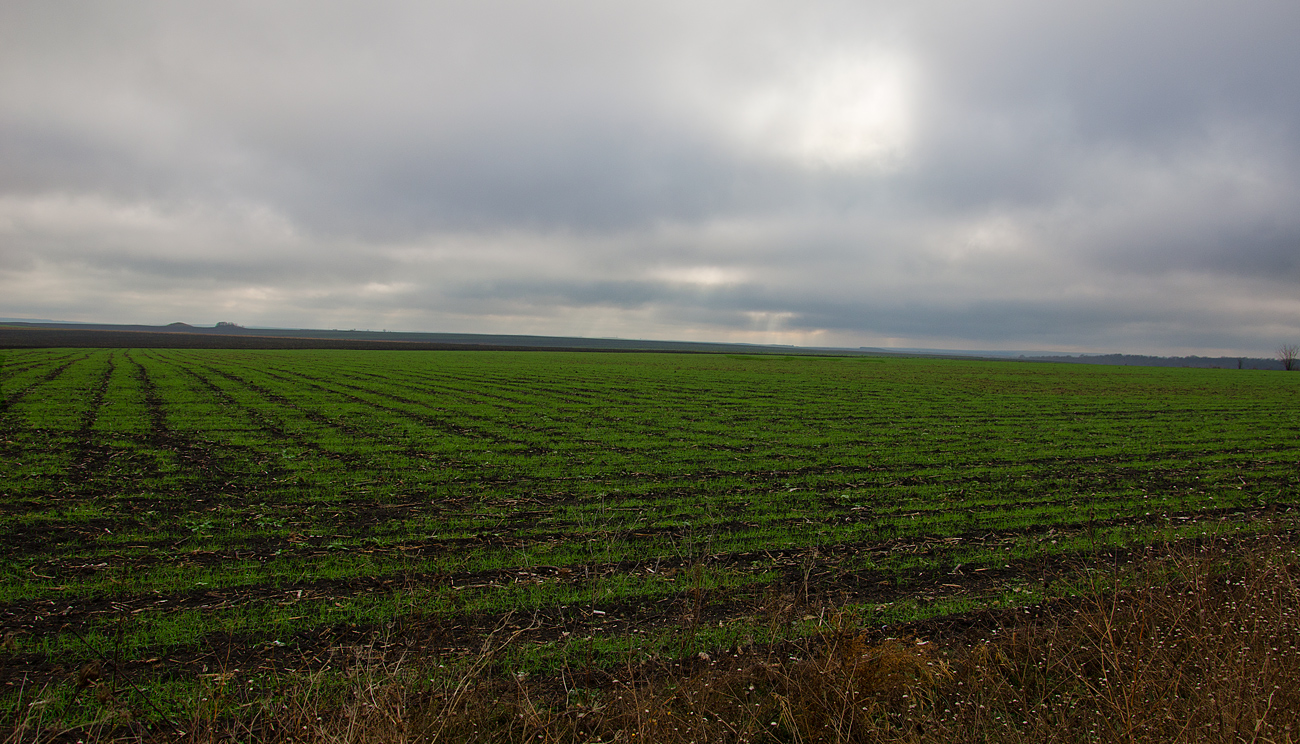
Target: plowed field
{"x": 178, "y": 515}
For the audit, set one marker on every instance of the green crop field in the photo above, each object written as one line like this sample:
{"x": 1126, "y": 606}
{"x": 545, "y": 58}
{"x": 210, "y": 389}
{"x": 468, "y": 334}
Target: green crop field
{"x": 192, "y": 515}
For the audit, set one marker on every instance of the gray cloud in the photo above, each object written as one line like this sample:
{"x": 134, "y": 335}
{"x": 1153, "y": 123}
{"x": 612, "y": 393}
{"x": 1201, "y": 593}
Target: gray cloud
{"x": 1110, "y": 176}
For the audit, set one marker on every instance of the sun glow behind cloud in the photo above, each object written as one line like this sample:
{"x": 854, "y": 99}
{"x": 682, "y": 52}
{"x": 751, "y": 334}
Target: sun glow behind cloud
{"x": 841, "y": 111}
{"x": 702, "y": 276}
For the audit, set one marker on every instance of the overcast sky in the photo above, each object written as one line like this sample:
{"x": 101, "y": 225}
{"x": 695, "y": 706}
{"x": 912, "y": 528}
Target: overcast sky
{"x": 1109, "y": 176}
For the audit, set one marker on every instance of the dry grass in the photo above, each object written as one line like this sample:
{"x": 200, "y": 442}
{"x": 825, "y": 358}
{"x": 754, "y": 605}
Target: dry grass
{"x": 1196, "y": 644}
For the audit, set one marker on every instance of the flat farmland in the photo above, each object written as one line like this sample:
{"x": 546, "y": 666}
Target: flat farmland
{"x": 185, "y": 516}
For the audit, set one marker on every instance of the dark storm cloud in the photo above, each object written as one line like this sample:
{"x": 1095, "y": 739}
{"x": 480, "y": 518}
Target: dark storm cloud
{"x": 1118, "y": 176}
{"x": 592, "y": 180}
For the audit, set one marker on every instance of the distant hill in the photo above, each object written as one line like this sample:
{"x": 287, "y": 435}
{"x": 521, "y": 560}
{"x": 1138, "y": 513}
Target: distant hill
{"x": 25, "y": 334}
{"x": 46, "y": 334}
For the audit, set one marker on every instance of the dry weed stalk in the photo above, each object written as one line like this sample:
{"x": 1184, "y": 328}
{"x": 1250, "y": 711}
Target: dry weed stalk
{"x": 1201, "y": 644}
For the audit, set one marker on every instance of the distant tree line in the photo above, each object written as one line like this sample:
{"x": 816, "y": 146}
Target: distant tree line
{"x": 1139, "y": 360}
